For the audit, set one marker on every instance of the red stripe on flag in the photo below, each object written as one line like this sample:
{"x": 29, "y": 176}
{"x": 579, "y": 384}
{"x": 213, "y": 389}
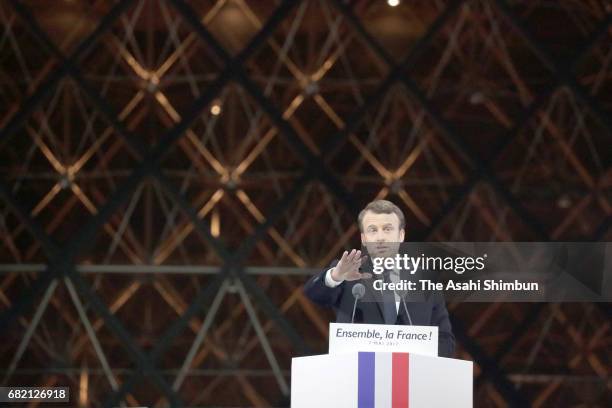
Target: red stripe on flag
{"x": 399, "y": 380}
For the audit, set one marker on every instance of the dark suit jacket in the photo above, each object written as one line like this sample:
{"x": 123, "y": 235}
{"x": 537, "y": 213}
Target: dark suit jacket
{"x": 431, "y": 311}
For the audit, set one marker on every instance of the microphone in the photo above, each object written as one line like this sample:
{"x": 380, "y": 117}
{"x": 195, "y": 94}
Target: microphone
{"x": 358, "y": 292}
{"x": 407, "y": 312}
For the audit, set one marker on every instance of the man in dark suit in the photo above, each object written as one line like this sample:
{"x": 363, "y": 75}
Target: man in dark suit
{"x": 382, "y": 230}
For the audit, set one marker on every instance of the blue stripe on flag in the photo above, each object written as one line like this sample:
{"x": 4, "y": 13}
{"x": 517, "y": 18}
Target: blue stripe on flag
{"x": 365, "y": 387}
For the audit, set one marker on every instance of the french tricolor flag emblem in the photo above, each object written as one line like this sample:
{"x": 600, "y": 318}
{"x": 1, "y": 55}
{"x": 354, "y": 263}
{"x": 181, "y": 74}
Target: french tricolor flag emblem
{"x": 383, "y": 380}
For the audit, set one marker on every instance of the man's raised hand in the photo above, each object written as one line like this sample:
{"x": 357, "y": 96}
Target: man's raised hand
{"x": 348, "y": 267}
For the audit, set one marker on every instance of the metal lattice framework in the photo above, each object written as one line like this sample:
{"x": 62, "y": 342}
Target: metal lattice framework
{"x": 171, "y": 172}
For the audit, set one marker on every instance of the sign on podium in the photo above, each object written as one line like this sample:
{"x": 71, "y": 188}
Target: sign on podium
{"x": 345, "y": 337}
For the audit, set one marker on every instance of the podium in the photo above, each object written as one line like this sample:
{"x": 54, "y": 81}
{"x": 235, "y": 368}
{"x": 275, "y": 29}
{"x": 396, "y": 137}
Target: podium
{"x": 365, "y": 379}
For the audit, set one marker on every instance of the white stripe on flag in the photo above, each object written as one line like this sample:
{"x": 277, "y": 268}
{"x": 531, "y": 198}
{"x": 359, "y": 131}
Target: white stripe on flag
{"x": 382, "y": 391}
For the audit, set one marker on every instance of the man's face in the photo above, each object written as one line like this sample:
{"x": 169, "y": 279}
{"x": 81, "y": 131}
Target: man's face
{"x": 381, "y": 234}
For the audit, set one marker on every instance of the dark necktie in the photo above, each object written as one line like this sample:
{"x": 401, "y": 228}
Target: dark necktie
{"x": 389, "y": 309}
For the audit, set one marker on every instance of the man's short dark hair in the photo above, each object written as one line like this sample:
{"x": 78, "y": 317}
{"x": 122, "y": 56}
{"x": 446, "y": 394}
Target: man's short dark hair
{"x": 382, "y": 207}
